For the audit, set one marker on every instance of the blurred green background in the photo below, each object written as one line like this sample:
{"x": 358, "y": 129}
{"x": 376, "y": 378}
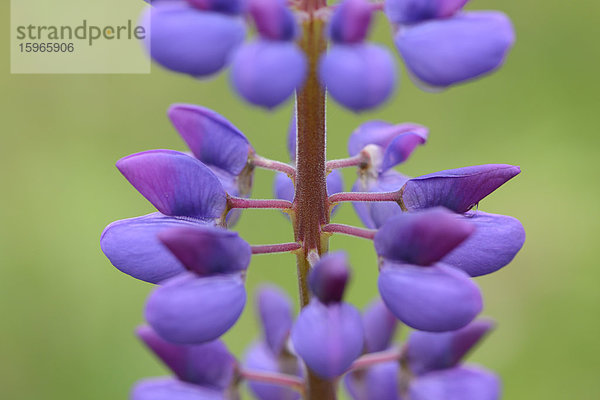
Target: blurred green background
{"x": 67, "y": 315}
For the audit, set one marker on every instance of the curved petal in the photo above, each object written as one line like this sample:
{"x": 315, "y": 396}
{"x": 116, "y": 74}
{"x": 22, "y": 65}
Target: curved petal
{"x": 350, "y": 21}
{"x": 276, "y": 315}
{"x": 260, "y": 358}
{"x": 360, "y": 76}
{"x": 456, "y": 189}
{"x": 192, "y": 310}
{"x": 132, "y": 246}
{"x": 188, "y": 41}
{"x": 397, "y": 141}
{"x": 411, "y": 11}
{"x": 209, "y": 364}
{"x": 328, "y": 278}
{"x": 421, "y": 238}
{"x": 379, "y": 382}
{"x": 496, "y": 241}
{"x": 449, "y": 51}
{"x": 175, "y": 183}
{"x": 328, "y": 338}
{"x": 429, "y": 351}
{"x": 267, "y": 72}
{"x": 434, "y": 299}
{"x": 208, "y": 250}
{"x": 379, "y": 325}
{"x": 211, "y": 138}
{"x": 273, "y": 19}
{"x": 465, "y": 383}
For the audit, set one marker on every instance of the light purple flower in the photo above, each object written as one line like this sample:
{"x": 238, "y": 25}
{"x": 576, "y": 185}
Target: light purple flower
{"x": 276, "y": 316}
{"x": 328, "y": 278}
{"x": 188, "y": 40}
{"x": 188, "y": 309}
{"x": 379, "y": 382}
{"x": 172, "y": 389}
{"x": 273, "y": 19}
{"x": 350, "y": 22}
{"x": 261, "y": 358}
{"x": 445, "y": 52}
{"x": 328, "y": 337}
{"x": 358, "y": 76}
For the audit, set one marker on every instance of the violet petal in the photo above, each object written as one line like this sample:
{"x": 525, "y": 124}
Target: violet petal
{"x": 360, "y": 76}
{"x": 434, "y": 299}
{"x": 209, "y": 364}
{"x": 465, "y": 383}
{"x": 421, "y": 238}
{"x": 379, "y": 325}
{"x": 449, "y": 51}
{"x": 496, "y": 241}
{"x": 429, "y": 351}
{"x": 273, "y": 19}
{"x": 132, "y": 246}
{"x": 456, "y": 189}
{"x": 212, "y": 138}
{"x": 208, "y": 250}
{"x": 175, "y": 183}
{"x": 328, "y": 338}
{"x": 172, "y": 389}
{"x": 276, "y": 315}
{"x": 267, "y": 72}
{"x": 192, "y": 310}
{"x": 189, "y": 41}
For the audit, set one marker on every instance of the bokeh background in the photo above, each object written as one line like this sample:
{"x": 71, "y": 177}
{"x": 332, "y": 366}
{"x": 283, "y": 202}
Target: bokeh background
{"x": 67, "y": 316}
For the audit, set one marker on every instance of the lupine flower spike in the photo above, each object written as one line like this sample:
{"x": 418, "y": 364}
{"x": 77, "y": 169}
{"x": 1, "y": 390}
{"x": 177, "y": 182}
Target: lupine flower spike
{"x": 429, "y": 236}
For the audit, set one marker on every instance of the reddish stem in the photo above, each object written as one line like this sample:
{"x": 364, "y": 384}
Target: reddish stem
{"x": 274, "y": 378}
{"x": 273, "y": 165}
{"x": 365, "y": 196}
{"x": 371, "y": 359}
{"x": 239, "y": 202}
{"x": 275, "y": 248}
{"x": 350, "y": 230}
{"x": 357, "y": 160}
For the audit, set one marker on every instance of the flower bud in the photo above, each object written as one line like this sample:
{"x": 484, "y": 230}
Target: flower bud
{"x": 329, "y": 277}
{"x": 380, "y": 326}
{"x": 275, "y": 312}
{"x": 359, "y": 76}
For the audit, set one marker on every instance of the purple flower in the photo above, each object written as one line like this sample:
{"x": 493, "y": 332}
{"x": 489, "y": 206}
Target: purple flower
{"x": 219, "y": 145}
{"x": 270, "y": 354}
{"x": 172, "y": 389}
{"x": 357, "y": 75}
{"x": 210, "y": 364}
{"x": 189, "y": 309}
{"x": 428, "y": 351}
{"x": 379, "y": 326}
{"x": 186, "y": 193}
{"x": 379, "y": 382}
{"x": 186, "y": 39}
{"x": 328, "y": 337}
{"x": 268, "y": 70}
{"x": 420, "y": 292}
{"x": 445, "y": 52}
{"x": 464, "y": 383}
